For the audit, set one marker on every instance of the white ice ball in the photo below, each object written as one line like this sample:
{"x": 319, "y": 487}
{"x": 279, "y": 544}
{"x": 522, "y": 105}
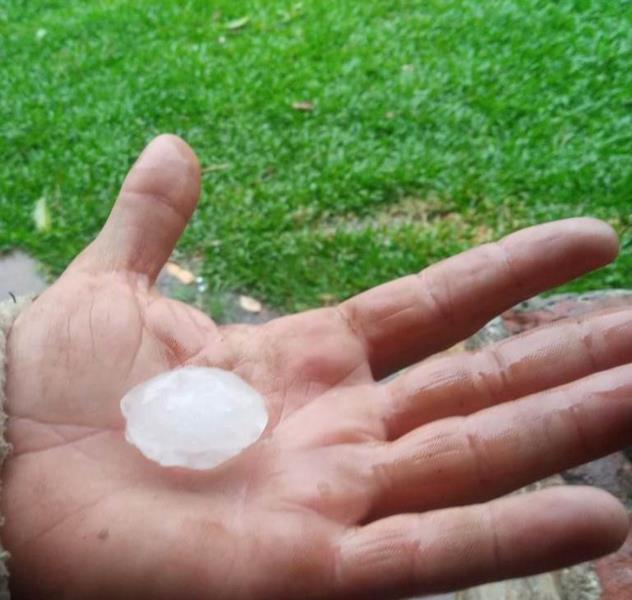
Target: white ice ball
{"x": 194, "y": 417}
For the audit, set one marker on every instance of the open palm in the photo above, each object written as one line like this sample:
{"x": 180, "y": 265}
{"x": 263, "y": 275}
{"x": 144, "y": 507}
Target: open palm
{"x": 357, "y": 488}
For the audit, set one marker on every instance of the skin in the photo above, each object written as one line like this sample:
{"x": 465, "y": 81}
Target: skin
{"x": 357, "y": 488}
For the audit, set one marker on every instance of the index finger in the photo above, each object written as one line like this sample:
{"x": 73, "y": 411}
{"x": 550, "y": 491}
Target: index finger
{"x": 410, "y": 318}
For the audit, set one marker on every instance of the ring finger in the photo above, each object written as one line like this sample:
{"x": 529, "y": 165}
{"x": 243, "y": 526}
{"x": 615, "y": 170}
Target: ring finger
{"x": 461, "y": 460}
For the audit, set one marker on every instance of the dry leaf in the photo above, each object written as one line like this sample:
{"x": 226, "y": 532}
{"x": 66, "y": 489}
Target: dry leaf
{"x": 304, "y": 106}
{"x": 250, "y": 304}
{"x": 182, "y": 275}
{"x": 328, "y": 300}
{"x": 483, "y": 234}
{"x": 294, "y": 13}
{"x": 41, "y": 215}
{"x": 237, "y": 24}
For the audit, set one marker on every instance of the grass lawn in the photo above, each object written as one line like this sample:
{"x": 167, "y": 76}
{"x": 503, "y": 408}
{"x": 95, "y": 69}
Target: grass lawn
{"x": 435, "y": 124}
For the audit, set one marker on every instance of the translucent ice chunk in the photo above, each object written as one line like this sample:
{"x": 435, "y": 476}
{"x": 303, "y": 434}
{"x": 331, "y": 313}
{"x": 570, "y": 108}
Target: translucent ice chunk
{"x": 193, "y": 417}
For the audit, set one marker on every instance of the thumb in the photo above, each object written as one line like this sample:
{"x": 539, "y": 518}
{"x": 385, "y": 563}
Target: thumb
{"x": 153, "y": 207}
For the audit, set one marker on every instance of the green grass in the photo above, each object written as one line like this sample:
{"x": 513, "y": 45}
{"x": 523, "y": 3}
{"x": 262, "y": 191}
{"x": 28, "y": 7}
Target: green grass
{"x": 437, "y": 124}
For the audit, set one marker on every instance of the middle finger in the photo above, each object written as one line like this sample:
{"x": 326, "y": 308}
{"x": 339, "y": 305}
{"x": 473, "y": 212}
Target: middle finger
{"x": 534, "y": 361}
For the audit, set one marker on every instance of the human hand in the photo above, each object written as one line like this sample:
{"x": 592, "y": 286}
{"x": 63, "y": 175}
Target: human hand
{"x": 356, "y": 489}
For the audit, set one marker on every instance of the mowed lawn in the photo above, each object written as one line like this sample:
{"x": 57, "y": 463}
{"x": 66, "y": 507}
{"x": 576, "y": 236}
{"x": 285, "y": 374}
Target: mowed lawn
{"x": 422, "y": 127}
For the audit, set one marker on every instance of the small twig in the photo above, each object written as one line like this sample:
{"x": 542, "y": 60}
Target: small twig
{"x": 13, "y": 297}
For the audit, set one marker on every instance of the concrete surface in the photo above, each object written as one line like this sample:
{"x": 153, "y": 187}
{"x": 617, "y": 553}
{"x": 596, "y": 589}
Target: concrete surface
{"x": 19, "y": 275}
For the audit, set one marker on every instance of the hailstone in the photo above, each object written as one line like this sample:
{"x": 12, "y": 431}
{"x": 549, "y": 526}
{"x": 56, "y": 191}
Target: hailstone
{"x": 193, "y": 417}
